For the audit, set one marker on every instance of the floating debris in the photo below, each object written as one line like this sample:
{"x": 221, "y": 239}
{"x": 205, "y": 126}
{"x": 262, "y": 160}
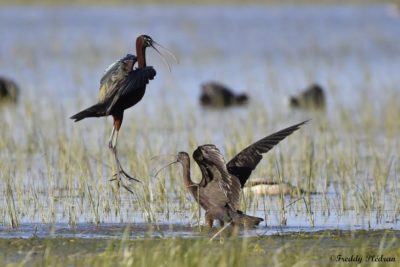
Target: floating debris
{"x": 264, "y": 187}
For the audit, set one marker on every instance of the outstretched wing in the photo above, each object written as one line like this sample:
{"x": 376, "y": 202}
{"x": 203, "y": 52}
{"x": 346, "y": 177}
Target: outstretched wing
{"x": 134, "y": 81}
{"x": 216, "y": 183}
{"x": 246, "y": 161}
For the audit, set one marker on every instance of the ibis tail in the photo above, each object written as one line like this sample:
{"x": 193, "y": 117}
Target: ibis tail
{"x": 246, "y": 220}
{"x": 96, "y": 110}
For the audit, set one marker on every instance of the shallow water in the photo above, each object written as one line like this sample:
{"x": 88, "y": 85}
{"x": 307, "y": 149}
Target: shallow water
{"x": 57, "y": 55}
{"x": 150, "y": 230}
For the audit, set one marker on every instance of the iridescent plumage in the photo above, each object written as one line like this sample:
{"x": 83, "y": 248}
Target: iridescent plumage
{"x": 219, "y": 190}
{"x": 121, "y": 87}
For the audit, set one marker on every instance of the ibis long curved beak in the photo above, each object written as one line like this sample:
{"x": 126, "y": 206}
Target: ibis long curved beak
{"x": 171, "y": 159}
{"x": 164, "y": 52}
{"x": 169, "y": 164}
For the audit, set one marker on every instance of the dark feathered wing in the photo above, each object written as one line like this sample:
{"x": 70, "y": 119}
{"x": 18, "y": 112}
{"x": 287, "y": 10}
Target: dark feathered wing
{"x": 212, "y": 166}
{"x": 246, "y": 161}
{"x": 111, "y": 73}
{"x": 135, "y": 80}
{"x": 217, "y": 184}
{"x": 114, "y": 76}
{"x": 111, "y": 92}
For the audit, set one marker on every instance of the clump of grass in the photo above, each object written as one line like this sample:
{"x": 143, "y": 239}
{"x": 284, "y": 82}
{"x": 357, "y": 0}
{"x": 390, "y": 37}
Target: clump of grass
{"x": 301, "y": 249}
{"x": 12, "y": 211}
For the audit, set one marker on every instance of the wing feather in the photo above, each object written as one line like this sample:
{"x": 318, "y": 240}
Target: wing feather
{"x": 114, "y": 76}
{"x": 135, "y": 80}
{"x": 219, "y": 186}
{"x": 246, "y": 161}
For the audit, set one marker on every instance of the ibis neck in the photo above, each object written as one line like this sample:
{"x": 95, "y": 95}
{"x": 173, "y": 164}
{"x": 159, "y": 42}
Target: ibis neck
{"x": 189, "y": 184}
{"x": 140, "y": 53}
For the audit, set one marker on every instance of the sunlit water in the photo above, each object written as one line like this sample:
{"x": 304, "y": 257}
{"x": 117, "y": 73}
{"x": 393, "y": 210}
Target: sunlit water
{"x": 58, "y": 55}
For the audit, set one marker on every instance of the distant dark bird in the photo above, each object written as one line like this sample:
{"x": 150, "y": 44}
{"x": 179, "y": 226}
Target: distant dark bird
{"x": 122, "y": 87}
{"x": 312, "y": 97}
{"x": 219, "y": 190}
{"x": 217, "y": 95}
{"x": 9, "y": 90}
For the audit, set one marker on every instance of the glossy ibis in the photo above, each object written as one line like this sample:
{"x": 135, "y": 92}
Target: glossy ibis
{"x": 122, "y": 87}
{"x": 221, "y": 184}
{"x": 217, "y": 95}
{"x": 9, "y": 90}
{"x": 313, "y": 97}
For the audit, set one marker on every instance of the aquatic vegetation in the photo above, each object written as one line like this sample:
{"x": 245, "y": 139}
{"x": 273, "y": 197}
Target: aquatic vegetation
{"x": 333, "y": 248}
{"x": 51, "y": 175}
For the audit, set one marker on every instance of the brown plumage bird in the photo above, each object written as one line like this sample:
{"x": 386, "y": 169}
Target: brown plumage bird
{"x": 122, "y": 87}
{"x": 217, "y": 95}
{"x": 9, "y": 90}
{"x": 313, "y": 97}
{"x": 219, "y": 190}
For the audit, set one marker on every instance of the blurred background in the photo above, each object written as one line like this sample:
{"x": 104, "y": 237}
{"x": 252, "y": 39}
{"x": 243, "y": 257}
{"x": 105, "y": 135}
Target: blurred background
{"x": 268, "y": 51}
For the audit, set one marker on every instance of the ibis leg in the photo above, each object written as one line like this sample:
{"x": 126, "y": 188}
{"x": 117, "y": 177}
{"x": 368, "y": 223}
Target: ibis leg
{"x": 120, "y": 169}
{"x": 111, "y": 140}
{"x": 209, "y": 219}
{"x": 112, "y": 144}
